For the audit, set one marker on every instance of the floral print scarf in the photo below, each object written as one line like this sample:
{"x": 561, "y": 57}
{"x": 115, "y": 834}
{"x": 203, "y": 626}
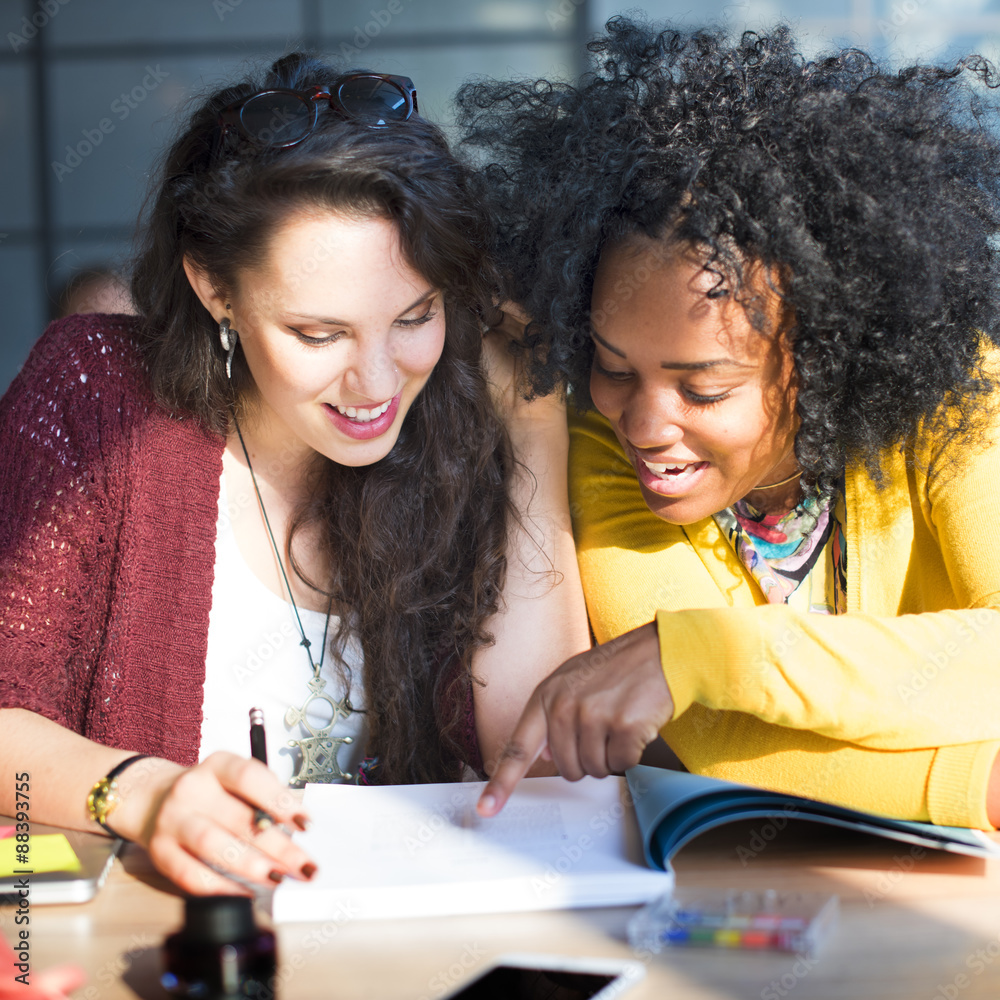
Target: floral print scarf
{"x": 780, "y": 551}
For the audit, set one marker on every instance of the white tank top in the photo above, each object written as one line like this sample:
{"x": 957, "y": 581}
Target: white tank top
{"x": 255, "y": 660}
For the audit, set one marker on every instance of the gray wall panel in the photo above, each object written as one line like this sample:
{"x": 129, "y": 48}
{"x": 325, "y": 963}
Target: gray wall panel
{"x": 18, "y": 193}
{"x": 225, "y": 22}
{"x": 23, "y": 316}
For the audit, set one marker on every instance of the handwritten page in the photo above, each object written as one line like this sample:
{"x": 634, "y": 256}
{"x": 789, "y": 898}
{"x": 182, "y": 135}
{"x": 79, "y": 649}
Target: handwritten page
{"x": 422, "y": 850}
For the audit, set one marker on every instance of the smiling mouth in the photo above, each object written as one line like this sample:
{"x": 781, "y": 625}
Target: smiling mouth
{"x": 672, "y": 471}
{"x": 668, "y": 479}
{"x": 363, "y": 423}
{"x": 362, "y": 414}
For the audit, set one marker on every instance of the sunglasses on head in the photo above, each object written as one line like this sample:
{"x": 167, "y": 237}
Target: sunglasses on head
{"x": 283, "y": 118}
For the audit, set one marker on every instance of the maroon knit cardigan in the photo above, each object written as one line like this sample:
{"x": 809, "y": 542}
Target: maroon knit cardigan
{"x": 107, "y": 546}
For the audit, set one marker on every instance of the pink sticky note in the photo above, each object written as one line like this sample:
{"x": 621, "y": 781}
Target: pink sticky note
{"x": 6, "y": 831}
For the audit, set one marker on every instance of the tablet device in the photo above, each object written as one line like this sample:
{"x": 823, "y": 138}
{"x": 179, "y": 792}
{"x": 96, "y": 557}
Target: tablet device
{"x": 96, "y": 854}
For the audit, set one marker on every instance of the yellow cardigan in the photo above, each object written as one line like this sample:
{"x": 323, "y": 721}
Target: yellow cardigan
{"x": 893, "y": 707}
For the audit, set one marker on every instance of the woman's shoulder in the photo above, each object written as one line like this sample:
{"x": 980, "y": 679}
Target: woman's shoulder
{"x": 953, "y": 454}
{"x": 85, "y": 386}
{"x": 958, "y": 435}
{"x": 591, "y": 435}
{"x": 82, "y": 389}
{"x": 596, "y": 458}
{"x": 86, "y": 355}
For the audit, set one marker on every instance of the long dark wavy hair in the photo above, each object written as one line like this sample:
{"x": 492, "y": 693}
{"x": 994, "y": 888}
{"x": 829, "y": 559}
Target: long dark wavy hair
{"x": 874, "y": 195}
{"x": 416, "y": 541}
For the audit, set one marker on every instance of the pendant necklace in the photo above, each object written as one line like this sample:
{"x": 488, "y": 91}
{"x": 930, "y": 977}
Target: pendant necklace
{"x": 318, "y": 762}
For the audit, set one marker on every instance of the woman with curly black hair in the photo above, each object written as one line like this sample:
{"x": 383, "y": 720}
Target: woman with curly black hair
{"x": 776, "y": 280}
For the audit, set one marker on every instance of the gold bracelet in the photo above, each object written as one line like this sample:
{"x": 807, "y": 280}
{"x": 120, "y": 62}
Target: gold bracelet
{"x": 104, "y": 797}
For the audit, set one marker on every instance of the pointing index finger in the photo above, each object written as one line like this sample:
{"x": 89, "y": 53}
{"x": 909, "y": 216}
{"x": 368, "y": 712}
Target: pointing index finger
{"x": 527, "y": 742}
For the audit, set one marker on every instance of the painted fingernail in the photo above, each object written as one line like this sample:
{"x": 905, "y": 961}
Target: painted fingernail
{"x": 275, "y": 876}
{"x": 308, "y": 870}
{"x": 301, "y": 821}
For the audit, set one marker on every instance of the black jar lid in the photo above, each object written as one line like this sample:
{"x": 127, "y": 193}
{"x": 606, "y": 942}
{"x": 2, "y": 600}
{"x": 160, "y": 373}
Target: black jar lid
{"x": 218, "y": 919}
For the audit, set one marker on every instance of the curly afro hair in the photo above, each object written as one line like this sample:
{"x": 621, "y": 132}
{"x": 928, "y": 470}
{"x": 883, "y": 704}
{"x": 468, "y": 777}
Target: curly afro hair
{"x": 875, "y": 196}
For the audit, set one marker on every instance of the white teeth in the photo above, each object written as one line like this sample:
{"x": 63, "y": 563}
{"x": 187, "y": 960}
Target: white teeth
{"x": 362, "y": 415}
{"x": 675, "y": 469}
{"x": 661, "y": 467}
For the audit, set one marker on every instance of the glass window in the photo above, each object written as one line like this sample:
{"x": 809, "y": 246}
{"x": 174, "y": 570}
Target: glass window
{"x": 24, "y": 314}
{"x": 110, "y": 22}
{"x": 18, "y": 192}
{"x": 753, "y": 14}
{"x": 366, "y": 22}
{"x": 105, "y": 137}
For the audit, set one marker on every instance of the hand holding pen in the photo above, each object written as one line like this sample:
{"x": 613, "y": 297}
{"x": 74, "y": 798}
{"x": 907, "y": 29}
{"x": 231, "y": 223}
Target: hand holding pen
{"x": 197, "y": 823}
{"x": 258, "y": 750}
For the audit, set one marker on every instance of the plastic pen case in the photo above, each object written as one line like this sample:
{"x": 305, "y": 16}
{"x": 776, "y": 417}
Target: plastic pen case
{"x": 762, "y": 920}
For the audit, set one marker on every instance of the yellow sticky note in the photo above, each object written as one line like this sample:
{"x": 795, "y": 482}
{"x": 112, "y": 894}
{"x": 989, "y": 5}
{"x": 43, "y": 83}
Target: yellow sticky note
{"x": 47, "y": 852}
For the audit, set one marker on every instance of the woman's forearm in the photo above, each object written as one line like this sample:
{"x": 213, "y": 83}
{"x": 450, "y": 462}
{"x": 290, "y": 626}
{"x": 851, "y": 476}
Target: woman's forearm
{"x": 196, "y": 822}
{"x": 62, "y": 767}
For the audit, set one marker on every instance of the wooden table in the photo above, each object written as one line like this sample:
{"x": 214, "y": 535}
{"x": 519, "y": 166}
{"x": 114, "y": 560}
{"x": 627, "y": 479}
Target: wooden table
{"x": 913, "y": 925}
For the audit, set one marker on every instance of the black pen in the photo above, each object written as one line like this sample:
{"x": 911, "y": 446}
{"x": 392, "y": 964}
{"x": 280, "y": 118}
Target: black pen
{"x": 258, "y": 750}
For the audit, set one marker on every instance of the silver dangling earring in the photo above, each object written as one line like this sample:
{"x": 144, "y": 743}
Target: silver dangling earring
{"x": 228, "y": 337}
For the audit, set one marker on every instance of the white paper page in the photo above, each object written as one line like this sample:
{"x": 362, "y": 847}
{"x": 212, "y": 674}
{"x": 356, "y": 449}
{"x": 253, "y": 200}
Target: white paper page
{"x": 421, "y": 850}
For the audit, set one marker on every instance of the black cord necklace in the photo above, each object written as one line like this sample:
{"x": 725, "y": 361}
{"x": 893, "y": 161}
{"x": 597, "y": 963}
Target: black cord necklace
{"x": 319, "y": 750}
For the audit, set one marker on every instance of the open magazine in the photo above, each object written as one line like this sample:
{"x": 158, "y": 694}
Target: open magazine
{"x": 421, "y": 850}
{"x": 674, "y": 807}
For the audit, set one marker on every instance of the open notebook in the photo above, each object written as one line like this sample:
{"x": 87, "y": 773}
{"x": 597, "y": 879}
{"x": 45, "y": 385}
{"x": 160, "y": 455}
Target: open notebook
{"x": 421, "y": 850}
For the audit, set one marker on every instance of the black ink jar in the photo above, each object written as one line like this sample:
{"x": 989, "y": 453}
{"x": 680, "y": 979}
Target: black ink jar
{"x": 219, "y": 952}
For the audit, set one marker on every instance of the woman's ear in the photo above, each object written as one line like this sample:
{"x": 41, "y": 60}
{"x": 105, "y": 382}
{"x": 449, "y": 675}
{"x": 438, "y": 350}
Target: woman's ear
{"x": 210, "y": 297}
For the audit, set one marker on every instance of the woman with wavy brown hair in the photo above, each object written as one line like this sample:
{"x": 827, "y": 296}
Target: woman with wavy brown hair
{"x": 294, "y": 483}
